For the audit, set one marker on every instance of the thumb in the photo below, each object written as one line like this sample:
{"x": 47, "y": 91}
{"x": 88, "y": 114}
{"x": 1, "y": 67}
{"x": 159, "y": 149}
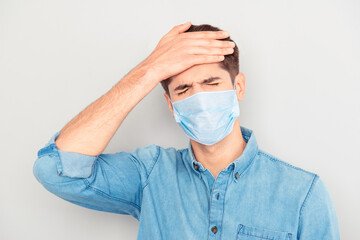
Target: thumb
{"x": 179, "y": 29}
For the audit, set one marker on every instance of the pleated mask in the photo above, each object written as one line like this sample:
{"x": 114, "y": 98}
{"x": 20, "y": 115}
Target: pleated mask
{"x": 207, "y": 117}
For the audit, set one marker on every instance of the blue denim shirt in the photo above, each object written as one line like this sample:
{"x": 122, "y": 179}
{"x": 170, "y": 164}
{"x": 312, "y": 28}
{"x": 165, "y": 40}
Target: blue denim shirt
{"x": 257, "y": 196}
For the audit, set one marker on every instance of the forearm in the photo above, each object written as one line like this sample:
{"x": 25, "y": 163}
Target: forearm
{"x": 92, "y": 129}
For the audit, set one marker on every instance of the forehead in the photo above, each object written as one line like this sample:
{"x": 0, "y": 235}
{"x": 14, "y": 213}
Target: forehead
{"x": 197, "y": 74}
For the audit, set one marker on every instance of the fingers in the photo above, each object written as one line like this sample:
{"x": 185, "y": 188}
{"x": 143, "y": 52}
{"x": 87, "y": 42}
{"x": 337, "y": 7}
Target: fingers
{"x": 206, "y": 34}
{"x": 201, "y": 59}
{"x": 186, "y": 49}
{"x": 209, "y": 43}
{"x": 179, "y": 29}
{"x": 210, "y": 50}
{"x": 199, "y": 34}
{"x": 202, "y": 51}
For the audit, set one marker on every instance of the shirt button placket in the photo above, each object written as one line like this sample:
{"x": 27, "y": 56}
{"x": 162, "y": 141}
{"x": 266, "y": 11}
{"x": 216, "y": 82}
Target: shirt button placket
{"x": 217, "y": 204}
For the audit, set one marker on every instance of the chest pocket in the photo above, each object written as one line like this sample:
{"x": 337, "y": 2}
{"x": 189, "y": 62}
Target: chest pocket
{"x": 252, "y": 233}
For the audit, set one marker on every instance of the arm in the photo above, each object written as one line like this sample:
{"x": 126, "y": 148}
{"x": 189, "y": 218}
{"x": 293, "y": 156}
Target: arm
{"x": 318, "y": 219}
{"x": 107, "y": 182}
{"x": 72, "y": 166}
{"x": 92, "y": 129}
{"x": 90, "y": 132}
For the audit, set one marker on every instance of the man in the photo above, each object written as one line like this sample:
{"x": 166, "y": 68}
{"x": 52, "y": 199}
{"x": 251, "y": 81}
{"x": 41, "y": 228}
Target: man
{"x": 221, "y": 187}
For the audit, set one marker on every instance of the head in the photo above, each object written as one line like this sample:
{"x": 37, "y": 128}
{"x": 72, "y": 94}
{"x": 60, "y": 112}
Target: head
{"x": 218, "y": 76}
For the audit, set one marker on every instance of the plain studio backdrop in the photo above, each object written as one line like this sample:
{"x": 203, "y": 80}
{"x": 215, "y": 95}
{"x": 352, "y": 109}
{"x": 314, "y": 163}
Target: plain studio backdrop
{"x": 301, "y": 60}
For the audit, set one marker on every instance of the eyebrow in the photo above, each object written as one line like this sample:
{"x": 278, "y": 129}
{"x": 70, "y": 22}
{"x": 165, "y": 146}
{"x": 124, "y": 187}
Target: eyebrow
{"x": 208, "y": 80}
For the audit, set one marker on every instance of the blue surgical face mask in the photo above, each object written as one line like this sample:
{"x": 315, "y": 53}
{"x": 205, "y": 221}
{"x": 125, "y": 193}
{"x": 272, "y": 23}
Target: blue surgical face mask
{"x": 207, "y": 117}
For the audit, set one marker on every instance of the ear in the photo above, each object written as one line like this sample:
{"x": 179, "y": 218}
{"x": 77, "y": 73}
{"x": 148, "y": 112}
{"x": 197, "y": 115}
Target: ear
{"x": 169, "y": 104}
{"x": 240, "y": 81}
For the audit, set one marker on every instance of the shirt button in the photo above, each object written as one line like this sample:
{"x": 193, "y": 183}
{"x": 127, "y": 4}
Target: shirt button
{"x": 214, "y": 229}
{"x": 236, "y": 175}
{"x": 196, "y": 166}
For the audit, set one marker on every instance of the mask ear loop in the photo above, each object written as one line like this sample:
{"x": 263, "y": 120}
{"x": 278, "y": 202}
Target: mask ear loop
{"x": 172, "y": 105}
{"x": 170, "y": 99}
{"x": 235, "y": 89}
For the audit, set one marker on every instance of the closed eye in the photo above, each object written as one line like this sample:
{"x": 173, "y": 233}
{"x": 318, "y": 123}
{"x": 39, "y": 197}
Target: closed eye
{"x": 188, "y": 89}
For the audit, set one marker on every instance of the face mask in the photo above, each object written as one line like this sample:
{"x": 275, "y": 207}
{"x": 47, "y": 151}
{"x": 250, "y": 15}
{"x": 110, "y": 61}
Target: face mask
{"x": 207, "y": 117}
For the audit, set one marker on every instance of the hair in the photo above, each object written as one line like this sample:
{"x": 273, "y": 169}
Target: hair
{"x": 230, "y": 62}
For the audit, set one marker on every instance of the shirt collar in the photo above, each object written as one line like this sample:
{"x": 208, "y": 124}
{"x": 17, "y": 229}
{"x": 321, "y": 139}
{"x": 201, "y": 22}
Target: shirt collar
{"x": 240, "y": 164}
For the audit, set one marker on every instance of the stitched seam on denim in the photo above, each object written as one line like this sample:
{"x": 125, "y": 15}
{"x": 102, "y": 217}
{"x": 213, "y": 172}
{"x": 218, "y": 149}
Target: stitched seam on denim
{"x": 284, "y": 163}
{"x": 93, "y": 207}
{"x": 104, "y": 194}
{"x": 152, "y": 167}
{"x": 267, "y": 231}
{"x": 249, "y": 166}
{"x": 138, "y": 171}
{"x": 49, "y": 149}
{"x": 227, "y": 186}
{"x": 316, "y": 177}
{"x": 250, "y": 234}
{"x": 87, "y": 184}
{"x": 209, "y": 211}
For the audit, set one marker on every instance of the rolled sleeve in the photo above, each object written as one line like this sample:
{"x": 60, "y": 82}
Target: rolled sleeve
{"x": 69, "y": 164}
{"x": 318, "y": 218}
{"x": 111, "y": 182}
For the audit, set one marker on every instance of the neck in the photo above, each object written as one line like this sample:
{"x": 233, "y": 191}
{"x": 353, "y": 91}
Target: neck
{"x": 218, "y": 156}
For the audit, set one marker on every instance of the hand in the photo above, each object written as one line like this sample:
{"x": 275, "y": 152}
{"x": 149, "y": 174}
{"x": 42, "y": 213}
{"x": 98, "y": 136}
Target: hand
{"x": 179, "y": 50}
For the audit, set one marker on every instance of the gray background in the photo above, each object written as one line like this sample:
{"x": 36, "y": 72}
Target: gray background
{"x": 301, "y": 60}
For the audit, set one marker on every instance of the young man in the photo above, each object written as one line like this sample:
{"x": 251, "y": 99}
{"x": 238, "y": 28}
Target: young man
{"x": 221, "y": 187}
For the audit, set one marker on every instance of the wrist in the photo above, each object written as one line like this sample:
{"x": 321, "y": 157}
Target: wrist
{"x": 150, "y": 74}
{"x": 142, "y": 75}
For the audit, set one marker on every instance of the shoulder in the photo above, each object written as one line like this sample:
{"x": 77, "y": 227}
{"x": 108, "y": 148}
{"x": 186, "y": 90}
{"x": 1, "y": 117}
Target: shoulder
{"x": 267, "y": 158}
{"x": 284, "y": 173}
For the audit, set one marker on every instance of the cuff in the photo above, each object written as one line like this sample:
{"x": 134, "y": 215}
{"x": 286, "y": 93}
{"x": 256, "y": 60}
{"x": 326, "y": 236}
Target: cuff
{"x": 70, "y": 164}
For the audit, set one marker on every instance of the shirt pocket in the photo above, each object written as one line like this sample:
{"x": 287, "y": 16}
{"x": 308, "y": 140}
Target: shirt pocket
{"x": 254, "y": 233}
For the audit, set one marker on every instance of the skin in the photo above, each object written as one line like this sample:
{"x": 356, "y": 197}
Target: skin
{"x": 185, "y": 56}
{"x": 219, "y": 155}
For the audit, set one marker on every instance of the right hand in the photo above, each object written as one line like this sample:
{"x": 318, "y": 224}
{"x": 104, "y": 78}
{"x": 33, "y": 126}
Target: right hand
{"x": 178, "y": 51}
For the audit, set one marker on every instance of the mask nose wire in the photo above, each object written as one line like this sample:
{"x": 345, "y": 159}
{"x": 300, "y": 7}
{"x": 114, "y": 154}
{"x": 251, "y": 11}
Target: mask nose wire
{"x": 233, "y": 87}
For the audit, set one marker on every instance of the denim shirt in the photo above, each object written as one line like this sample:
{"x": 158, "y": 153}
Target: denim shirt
{"x": 257, "y": 196}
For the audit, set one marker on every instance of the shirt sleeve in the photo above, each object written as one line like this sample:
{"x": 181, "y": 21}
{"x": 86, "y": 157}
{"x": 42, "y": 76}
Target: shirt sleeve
{"x": 318, "y": 218}
{"x": 107, "y": 182}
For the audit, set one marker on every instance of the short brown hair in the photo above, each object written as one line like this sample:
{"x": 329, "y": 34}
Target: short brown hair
{"x": 230, "y": 63}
